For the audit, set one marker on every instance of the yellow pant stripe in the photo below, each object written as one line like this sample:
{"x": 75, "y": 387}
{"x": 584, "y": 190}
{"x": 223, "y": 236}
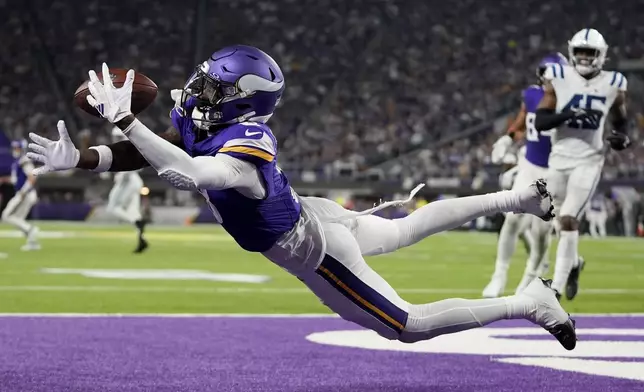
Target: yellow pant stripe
{"x": 360, "y": 299}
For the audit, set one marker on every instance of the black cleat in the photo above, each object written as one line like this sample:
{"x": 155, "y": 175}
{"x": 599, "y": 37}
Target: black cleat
{"x": 572, "y": 284}
{"x": 565, "y": 334}
{"x": 142, "y": 246}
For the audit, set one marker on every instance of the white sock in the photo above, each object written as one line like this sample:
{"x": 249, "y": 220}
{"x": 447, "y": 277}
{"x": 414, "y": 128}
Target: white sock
{"x": 566, "y": 258}
{"x": 507, "y": 244}
{"x": 21, "y": 224}
{"x": 456, "y": 314}
{"x": 447, "y": 214}
{"x": 538, "y": 252}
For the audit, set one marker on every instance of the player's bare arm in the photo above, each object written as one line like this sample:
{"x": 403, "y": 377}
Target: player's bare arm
{"x": 618, "y": 112}
{"x": 618, "y": 138}
{"x": 125, "y": 155}
{"x": 517, "y": 129}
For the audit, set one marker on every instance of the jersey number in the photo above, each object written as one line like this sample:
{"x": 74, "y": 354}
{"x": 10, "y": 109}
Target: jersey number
{"x": 583, "y": 101}
{"x": 531, "y": 133}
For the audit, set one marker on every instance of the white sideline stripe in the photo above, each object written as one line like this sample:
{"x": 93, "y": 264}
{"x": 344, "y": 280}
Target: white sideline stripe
{"x": 264, "y": 290}
{"x": 238, "y": 315}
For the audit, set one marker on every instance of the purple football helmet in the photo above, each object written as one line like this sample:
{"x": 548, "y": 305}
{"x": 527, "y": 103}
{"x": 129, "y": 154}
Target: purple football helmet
{"x": 237, "y": 83}
{"x": 555, "y": 58}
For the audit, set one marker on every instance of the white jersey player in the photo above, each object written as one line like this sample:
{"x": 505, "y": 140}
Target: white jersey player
{"x": 577, "y": 99}
{"x": 532, "y": 165}
{"x": 124, "y": 201}
{"x": 21, "y": 204}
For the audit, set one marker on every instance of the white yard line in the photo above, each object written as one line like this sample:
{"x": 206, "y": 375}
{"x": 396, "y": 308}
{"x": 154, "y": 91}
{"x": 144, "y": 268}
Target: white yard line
{"x": 262, "y": 290}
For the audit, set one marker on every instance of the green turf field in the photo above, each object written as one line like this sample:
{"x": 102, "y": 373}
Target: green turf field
{"x": 454, "y": 264}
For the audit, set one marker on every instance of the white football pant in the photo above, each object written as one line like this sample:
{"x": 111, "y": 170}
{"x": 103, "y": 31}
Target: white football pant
{"x": 124, "y": 200}
{"x": 328, "y": 258}
{"x": 18, "y": 209}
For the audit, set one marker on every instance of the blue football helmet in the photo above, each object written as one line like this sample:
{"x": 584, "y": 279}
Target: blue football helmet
{"x": 237, "y": 83}
{"x": 555, "y": 58}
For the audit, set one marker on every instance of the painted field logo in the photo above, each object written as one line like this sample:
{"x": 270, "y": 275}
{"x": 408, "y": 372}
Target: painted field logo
{"x": 159, "y": 274}
{"x": 614, "y": 352}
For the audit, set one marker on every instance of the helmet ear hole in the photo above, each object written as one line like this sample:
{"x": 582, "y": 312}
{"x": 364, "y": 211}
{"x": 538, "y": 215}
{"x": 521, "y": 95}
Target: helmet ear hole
{"x": 242, "y": 106}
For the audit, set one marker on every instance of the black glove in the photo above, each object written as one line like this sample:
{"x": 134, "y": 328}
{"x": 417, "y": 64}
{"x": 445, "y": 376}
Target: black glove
{"x": 582, "y": 118}
{"x": 618, "y": 140}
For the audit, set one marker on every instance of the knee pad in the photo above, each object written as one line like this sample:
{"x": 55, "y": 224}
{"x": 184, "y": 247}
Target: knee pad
{"x": 568, "y": 223}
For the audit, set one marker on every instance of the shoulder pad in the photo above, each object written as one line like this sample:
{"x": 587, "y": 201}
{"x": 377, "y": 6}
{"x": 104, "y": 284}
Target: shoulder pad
{"x": 531, "y": 88}
{"x": 555, "y": 71}
{"x": 250, "y": 138}
{"x": 618, "y": 80}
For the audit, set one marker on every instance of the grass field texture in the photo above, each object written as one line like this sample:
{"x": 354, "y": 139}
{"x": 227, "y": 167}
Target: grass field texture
{"x": 454, "y": 264}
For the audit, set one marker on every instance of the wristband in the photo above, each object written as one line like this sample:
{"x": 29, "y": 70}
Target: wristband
{"x": 105, "y": 157}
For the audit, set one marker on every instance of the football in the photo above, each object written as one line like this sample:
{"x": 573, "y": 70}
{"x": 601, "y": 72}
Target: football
{"x": 144, "y": 91}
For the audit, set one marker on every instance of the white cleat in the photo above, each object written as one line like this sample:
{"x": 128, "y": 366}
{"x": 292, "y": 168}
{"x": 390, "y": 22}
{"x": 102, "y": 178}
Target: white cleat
{"x": 536, "y": 200}
{"x": 549, "y": 314}
{"x": 30, "y": 246}
{"x": 495, "y": 288}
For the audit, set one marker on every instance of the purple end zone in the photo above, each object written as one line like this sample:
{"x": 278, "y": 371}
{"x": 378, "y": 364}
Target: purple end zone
{"x": 51, "y": 354}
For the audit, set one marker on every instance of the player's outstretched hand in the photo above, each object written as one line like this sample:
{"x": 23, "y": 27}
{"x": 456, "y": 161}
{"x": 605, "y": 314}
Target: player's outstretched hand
{"x": 54, "y": 155}
{"x": 112, "y": 103}
{"x": 618, "y": 141}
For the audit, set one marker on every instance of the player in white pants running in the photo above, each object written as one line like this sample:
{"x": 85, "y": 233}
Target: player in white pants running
{"x": 531, "y": 166}
{"x": 20, "y": 205}
{"x": 577, "y": 99}
{"x": 124, "y": 201}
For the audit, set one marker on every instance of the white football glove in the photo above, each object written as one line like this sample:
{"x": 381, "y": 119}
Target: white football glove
{"x": 112, "y": 103}
{"x": 506, "y": 179}
{"x": 500, "y": 149}
{"x": 54, "y": 155}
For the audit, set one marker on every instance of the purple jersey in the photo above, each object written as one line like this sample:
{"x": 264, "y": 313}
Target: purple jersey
{"x": 537, "y": 143}
{"x": 597, "y": 203}
{"x": 255, "y": 224}
{"x": 18, "y": 175}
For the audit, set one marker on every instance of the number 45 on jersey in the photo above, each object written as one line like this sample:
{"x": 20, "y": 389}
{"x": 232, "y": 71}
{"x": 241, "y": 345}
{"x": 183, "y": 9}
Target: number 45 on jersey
{"x": 593, "y": 120}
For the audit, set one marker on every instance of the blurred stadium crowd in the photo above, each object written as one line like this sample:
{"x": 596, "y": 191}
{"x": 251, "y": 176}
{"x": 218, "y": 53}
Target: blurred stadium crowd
{"x": 366, "y": 86}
